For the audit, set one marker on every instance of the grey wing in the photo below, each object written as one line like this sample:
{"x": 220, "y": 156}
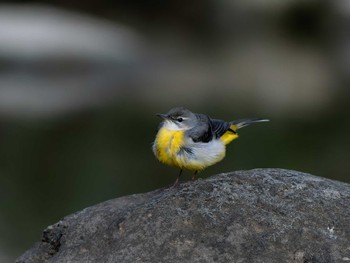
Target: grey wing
{"x": 219, "y": 127}
{"x": 203, "y": 131}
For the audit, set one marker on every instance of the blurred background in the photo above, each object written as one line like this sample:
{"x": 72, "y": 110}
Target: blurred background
{"x": 81, "y": 81}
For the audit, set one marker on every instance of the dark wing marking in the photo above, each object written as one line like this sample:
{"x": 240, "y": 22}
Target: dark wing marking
{"x": 202, "y": 132}
{"x": 219, "y": 127}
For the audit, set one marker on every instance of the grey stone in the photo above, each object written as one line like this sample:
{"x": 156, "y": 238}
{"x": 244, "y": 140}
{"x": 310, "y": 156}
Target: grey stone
{"x": 261, "y": 215}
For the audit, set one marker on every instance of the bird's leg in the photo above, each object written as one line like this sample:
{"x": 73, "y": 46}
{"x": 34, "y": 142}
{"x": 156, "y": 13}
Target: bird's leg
{"x": 194, "y": 175}
{"x": 177, "y": 179}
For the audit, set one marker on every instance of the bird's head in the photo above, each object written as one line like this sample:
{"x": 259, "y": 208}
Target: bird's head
{"x": 178, "y": 119}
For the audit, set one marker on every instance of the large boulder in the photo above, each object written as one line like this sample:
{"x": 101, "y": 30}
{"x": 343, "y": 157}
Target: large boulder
{"x": 261, "y": 215}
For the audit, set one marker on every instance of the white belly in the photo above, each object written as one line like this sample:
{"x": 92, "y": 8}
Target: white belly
{"x": 201, "y": 155}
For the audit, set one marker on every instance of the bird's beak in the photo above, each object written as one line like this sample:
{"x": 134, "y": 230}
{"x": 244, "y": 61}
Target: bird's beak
{"x": 163, "y": 116}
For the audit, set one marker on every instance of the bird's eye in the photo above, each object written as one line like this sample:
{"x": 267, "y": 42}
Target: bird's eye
{"x": 180, "y": 119}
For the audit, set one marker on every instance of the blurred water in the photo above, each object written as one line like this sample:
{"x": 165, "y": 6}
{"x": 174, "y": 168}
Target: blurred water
{"x": 78, "y": 97}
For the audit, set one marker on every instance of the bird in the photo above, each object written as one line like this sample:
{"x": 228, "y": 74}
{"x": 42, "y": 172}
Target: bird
{"x": 194, "y": 141}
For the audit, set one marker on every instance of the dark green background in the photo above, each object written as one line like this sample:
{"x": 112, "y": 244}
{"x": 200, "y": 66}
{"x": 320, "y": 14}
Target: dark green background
{"x": 55, "y": 165}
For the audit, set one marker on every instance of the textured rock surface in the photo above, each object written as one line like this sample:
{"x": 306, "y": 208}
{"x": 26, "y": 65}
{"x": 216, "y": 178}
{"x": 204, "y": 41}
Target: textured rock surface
{"x": 262, "y": 215}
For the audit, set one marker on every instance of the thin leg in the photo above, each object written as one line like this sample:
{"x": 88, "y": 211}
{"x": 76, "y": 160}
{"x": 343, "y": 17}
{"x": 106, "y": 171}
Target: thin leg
{"x": 194, "y": 175}
{"x": 178, "y": 178}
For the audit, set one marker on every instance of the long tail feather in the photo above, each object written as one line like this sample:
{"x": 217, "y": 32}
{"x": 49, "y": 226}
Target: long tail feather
{"x": 245, "y": 122}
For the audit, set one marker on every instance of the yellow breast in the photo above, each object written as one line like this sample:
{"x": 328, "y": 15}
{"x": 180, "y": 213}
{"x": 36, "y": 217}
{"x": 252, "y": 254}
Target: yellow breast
{"x": 167, "y": 144}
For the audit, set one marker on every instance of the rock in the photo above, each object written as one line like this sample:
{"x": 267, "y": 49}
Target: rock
{"x": 261, "y": 215}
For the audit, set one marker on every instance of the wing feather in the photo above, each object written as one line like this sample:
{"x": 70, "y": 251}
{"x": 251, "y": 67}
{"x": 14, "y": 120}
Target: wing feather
{"x": 203, "y": 131}
{"x": 219, "y": 127}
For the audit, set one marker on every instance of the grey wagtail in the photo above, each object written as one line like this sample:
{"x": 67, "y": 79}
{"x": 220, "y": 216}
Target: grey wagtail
{"x": 194, "y": 141}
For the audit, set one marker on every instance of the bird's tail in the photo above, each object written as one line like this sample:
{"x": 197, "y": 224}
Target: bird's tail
{"x": 245, "y": 122}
